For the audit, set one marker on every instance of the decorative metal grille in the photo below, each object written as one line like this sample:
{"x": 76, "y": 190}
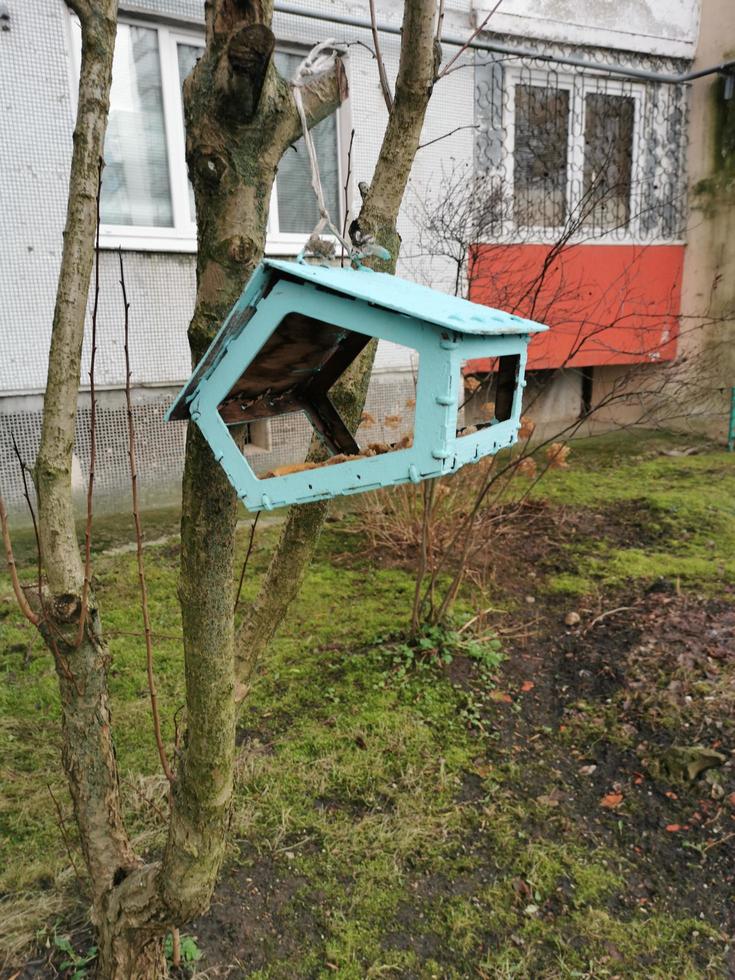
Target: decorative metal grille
{"x": 568, "y": 151}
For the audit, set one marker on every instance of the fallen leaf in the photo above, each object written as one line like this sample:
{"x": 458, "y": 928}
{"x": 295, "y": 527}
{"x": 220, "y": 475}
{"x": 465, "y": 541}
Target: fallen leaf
{"x": 501, "y": 696}
{"x": 673, "y": 827}
{"x": 611, "y": 800}
{"x": 731, "y": 799}
{"x": 671, "y": 794}
{"x": 587, "y": 770}
{"x": 527, "y": 686}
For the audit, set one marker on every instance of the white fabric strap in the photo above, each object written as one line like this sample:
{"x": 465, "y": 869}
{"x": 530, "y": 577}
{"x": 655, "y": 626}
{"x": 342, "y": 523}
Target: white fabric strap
{"x": 320, "y": 59}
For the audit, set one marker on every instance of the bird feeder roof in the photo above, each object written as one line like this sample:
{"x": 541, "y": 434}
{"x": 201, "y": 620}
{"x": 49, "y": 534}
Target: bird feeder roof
{"x": 302, "y": 346}
{"x": 409, "y": 298}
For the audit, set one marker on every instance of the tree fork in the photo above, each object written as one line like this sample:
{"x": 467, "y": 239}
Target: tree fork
{"x": 419, "y": 61}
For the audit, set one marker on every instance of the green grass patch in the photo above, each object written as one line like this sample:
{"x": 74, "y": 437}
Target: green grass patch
{"x": 362, "y": 770}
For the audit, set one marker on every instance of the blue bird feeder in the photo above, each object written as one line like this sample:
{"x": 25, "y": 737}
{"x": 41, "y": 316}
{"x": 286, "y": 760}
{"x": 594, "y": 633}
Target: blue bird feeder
{"x": 294, "y": 331}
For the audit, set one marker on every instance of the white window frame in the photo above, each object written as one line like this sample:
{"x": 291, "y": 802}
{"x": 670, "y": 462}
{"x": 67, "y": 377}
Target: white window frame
{"x": 181, "y": 236}
{"x": 578, "y": 86}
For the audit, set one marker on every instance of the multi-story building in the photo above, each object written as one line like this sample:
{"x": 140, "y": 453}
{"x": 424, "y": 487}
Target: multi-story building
{"x": 552, "y": 179}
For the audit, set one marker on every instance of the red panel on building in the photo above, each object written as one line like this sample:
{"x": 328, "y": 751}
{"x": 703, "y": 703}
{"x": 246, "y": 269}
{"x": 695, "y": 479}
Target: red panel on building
{"x": 604, "y": 304}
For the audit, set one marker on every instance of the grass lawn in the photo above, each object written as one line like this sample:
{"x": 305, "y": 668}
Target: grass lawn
{"x": 569, "y": 814}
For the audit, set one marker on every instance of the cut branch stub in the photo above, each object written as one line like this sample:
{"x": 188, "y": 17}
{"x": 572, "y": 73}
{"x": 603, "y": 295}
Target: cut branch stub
{"x": 244, "y": 67}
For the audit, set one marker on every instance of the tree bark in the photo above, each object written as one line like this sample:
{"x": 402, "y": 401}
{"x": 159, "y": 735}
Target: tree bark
{"x": 241, "y": 117}
{"x": 419, "y": 62}
{"x": 88, "y": 752}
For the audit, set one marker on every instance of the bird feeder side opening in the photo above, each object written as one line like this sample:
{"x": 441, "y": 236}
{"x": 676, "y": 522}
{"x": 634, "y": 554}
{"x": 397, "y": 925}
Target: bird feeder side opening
{"x": 286, "y": 343}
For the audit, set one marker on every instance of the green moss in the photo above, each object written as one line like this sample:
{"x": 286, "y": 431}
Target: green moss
{"x": 686, "y": 505}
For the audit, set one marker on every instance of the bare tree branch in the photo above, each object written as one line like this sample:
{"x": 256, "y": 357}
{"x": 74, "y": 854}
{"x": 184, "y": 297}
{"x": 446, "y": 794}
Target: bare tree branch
{"x": 469, "y": 41}
{"x": 20, "y": 596}
{"x": 92, "y": 424}
{"x": 444, "y": 136}
{"x": 139, "y": 537}
{"x": 384, "y": 85}
{"x": 82, "y": 8}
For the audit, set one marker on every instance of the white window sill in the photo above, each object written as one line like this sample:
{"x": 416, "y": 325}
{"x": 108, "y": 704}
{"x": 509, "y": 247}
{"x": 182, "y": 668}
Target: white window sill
{"x": 275, "y": 244}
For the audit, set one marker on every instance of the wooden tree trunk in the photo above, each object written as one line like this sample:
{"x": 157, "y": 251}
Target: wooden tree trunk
{"x": 81, "y": 659}
{"x": 419, "y": 61}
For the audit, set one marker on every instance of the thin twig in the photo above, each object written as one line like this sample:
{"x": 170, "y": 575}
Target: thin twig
{"x": 67, "y": 843}
{"x": 27, "y": 495}
{"x": 468, "y": 42}
{"x": 346, "y": 189}
{"x": 610, "y": 612}
{"x": 384, "y": 86}
{"x": 471, "y": 622}
{"x": 44, "y": 618}
{"x": 92, "y": 425}
{"x": 444, "y": 136}
{"x": 247, "y": 559}
{"x": 20, "y": 596}
{"x": 428, "y": 494}
{"x": 145, "y": 800}
{"x": 139, "y": 538}
{"x": 439, "y": 23}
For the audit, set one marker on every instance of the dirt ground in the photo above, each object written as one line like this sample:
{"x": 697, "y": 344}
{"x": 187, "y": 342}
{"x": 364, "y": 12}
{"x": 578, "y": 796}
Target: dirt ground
{"x": 597, "y": 710}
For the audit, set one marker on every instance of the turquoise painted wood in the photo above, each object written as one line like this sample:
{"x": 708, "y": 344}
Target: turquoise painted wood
{"x": 294, "y": 330}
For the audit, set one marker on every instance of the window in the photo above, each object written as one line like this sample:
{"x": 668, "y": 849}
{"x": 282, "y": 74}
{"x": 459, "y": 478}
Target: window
{"x": 541, "y": 156}
{"x": 147, "y": 201}
{"x": 608, "y": 159}
{"x": 573, "y": 152}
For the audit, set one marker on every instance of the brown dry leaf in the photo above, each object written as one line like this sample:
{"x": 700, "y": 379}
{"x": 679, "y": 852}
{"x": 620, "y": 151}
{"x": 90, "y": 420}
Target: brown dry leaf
{"x": 292, "y": 468}
{"x": 392, "y": 421}
{"x": 501, "y": 696}
{"x": 556, "y": 454}
{"x": 471, "y": 383}
{"x": 378, "y": 448}
{"x": 672, "y": 828}
{"x": 527, "y": 686}
{"x": 339, "y": 458}
{"x": 527, "y": 467}
{"x": 611, "y": 800}
{"x": 527, "y": 429}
